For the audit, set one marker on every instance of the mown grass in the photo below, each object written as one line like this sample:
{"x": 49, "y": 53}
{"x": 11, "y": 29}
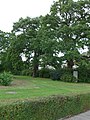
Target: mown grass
{"x": 24, "y": 87}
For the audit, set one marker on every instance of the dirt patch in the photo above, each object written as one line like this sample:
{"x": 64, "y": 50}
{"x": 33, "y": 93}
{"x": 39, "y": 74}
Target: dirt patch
{"x": 19, "y": 83}
{"x": 16, "y": 83}
{"x": 1, "y": 87}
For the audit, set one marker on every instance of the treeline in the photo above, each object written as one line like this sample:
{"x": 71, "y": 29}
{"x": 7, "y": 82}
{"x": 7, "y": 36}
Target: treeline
{"x": 41, "y": 40}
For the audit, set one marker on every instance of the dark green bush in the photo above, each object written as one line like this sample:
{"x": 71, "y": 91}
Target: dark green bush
{"x": 55, "y": 75}
{"x": 50, "y": 108}
{"x": 66, "y": 71}
{"x": 63, "y": 74}
{"x": 66, "y": 75}
{"x": 5, "y": 78}
{"x": 84, "y": 74}
{"x": 44, "y": 73}
{"x": 67, "y": 78}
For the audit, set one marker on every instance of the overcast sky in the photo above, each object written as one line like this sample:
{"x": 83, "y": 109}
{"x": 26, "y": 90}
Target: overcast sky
{"x": 12, "y": 10}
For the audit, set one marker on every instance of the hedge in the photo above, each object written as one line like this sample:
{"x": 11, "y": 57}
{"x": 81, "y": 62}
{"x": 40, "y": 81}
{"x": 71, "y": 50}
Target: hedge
{"x": 84, "y": 74}
{"x": 44, "y": 73}
{"x": 50, "y": 108}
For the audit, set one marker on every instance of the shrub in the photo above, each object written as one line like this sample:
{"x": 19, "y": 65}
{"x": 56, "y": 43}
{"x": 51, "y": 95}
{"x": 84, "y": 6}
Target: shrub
{"x": 62, "y": 74}
{"x": 44, "y": 73}
{"x": 67, "y": 78}
{"x": 27, "y": 72}
{"x": 5, "y": 78}
{"x": 50, "y": 108}
{"x": 84, "y": 74}
{"x": 55, "y": 75}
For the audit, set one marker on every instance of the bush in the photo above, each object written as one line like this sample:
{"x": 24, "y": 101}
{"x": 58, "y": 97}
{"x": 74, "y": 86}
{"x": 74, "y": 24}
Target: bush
{"x": 67, "y": 78}
{"x": 27, "y": 72}
{"x": 62, "y": 74}
{"x": 5, "y": 78}
{"x": 44, "y": 73}
{"x": 50, "y": 108}
{"x": 55, "y": 75}
{"x": 84, "y": 74}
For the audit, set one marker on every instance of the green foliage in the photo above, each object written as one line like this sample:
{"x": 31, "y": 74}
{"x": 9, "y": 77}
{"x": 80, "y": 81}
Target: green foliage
{"x": 50, "y": 108}
{"x": 44, "y": 73}
{"x": 27, "y": 72}
{"x": 63, "y": 74}
{"x": 67, "y": 77}
{"x": 84, "y": 74}
{"x": 5, "y": 78}
{"x": 72, "y": 27}
{"x": 66, "y": 29}
{"x": 29, "y": 40}
{"x": 55, "y": 75}
{"x": 4, "y": 45}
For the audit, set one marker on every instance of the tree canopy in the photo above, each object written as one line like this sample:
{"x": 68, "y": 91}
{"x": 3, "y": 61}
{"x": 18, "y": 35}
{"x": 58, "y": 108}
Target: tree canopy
{"x": 41, "y": 40}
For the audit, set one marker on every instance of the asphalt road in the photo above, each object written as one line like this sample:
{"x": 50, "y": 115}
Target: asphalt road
{"x": 83, "y": 116}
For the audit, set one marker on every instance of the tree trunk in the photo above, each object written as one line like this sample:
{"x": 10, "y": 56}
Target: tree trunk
{"x": 35, "y": 70}
{"x": 35, "y": 65}
{"x": 70, "y": 64}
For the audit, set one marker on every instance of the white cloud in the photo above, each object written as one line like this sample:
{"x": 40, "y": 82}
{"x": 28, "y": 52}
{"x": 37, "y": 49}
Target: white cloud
{"x": 12, "y": 10}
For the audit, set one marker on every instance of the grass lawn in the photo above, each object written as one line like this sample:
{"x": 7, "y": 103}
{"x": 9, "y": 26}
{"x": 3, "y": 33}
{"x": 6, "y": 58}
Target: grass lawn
{"x": 24, "y": 87}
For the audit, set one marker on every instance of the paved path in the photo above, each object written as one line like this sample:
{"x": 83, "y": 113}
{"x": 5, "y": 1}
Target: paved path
{"x": 83, "y": 116}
